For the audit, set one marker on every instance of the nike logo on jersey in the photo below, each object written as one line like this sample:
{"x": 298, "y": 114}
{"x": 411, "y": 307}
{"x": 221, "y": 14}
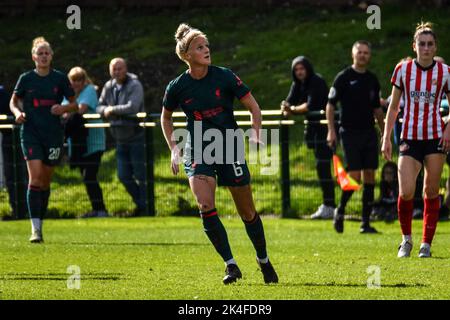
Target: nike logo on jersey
{"x": 188, "y": 101}
{"x": 238, "y": 180}
{"x": 353, "y": 82}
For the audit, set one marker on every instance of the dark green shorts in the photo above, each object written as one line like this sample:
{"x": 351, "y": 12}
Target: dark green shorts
{"x": 230, "y": 175}
{"x": 50, "y": 154}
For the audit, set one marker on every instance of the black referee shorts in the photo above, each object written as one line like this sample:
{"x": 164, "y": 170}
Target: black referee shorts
{"x": 360, "y": 148}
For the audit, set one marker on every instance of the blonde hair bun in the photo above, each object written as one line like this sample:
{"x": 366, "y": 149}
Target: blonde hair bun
{"x": 424, "y": 25}
{"x": 39, "y": 42}
{"x": 182, "y": 31}
{"x": 424, "y": 28}
{"x": 184, "y": 36}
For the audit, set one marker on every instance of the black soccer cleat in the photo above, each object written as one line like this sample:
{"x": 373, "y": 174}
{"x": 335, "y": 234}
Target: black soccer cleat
{"x": 338, "y": 221}
{"x": 269, "y": 274}
{"x": 367, "y": 229}
{"x": 232, "y": 273}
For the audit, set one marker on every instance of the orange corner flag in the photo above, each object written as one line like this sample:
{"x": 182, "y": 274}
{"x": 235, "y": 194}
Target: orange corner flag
{"x": 346, "y": 182}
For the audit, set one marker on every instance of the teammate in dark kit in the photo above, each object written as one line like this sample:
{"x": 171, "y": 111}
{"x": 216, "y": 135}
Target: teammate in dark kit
{"x": 205, "y": 93}
{"x": 36, "y": 104}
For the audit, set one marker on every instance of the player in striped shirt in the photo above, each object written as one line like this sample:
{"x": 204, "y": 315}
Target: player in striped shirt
{"x": 424, "y": 139}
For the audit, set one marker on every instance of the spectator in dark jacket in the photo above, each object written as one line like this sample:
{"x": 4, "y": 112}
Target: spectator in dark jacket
{"x": 309, "y": 96}
{"x": 7, "y": 151}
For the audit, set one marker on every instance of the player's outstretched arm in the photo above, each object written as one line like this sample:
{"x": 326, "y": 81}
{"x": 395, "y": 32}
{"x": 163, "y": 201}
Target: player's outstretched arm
{"x": 16, "y": 107}
{"x": 445, "y": 140}
{"x": 391, "y": 115}
{"x": 379, "y": 115}
{"x": 250, "y": 103}
{"x": 59, "y": 109}
{"x": 167, "y": 128}
{"x": 331, "y": 136}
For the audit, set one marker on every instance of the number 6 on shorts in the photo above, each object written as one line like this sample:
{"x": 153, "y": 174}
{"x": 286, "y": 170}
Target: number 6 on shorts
{"x": 237, "y": 169}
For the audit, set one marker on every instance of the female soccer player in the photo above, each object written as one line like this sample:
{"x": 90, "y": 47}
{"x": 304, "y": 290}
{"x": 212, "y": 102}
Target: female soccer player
{"x": 206, "y": 93}
{"x": 424, "y": 140}
{"x": 36, "y": 104}
{"x": 90, "y": 157}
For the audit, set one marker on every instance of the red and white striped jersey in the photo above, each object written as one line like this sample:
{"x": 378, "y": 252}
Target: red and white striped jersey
{"x": 422, "y": 93}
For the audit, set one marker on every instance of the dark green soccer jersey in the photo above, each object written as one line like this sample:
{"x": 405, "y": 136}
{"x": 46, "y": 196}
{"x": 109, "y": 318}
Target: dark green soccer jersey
{"x": 39, "y": 94}
{"x": 209, "y": 100}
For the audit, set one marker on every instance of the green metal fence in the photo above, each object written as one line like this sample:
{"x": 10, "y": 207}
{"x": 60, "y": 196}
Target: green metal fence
{"x": 292, "y": 190}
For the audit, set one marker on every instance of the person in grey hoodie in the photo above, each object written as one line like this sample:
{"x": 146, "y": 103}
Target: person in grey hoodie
{"x": 122, "y": 97}
{"x": 308, "y": 95}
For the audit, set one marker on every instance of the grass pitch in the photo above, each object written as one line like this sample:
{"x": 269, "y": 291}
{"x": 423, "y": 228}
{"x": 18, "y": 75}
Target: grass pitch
{"x": 171, "y": 258}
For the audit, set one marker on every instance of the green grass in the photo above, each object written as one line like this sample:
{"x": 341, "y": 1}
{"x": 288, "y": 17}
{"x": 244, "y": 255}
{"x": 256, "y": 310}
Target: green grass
{"x": 171, "y": 258}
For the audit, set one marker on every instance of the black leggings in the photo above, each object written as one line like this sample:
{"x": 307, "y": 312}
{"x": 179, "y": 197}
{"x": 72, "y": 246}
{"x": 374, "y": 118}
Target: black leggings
{"x": 8, "y": 164}
{"x": 89, "y": 168}
{"x": 317, "y": 140}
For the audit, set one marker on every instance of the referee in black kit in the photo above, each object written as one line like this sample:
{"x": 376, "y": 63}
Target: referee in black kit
{"x": 358, "y": 91}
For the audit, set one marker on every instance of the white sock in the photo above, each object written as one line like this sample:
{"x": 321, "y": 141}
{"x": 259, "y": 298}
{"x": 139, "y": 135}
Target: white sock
{"x": 265, "y": 260}
{"x": 407, "y": 238}
{"x": 231, "y": 261}
{"x": 35, "y": 224}
{"x": 424, "y": 244}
